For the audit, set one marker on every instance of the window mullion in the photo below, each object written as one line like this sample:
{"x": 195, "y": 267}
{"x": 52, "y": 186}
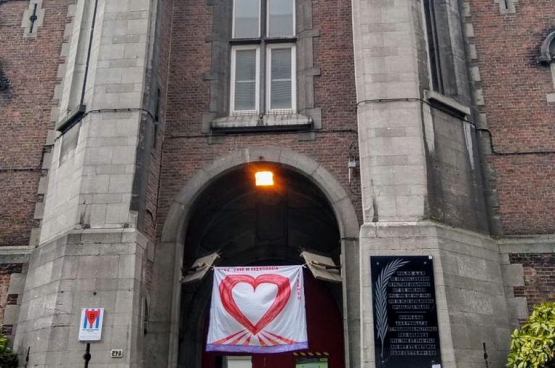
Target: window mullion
{"x": 263, "y": 56}
{"x": 263, "y": 77}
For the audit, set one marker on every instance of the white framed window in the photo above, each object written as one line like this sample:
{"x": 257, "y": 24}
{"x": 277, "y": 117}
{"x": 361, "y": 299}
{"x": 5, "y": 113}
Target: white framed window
{"x": 245, "y": 79}
{"x": 246, "y": 18}
{"x": 281, "y": 78}
{"x": 263, "y": 58}
{"x": 280, "y": 18}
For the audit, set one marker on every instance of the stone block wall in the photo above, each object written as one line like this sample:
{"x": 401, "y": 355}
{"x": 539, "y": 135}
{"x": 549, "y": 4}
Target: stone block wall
{"x": 478, "y": 308}
{"x": 455, "y": 175}
{"x": 90, "y": 253}
{"x": 470, "y": 295}
{"x": 93, "y": 173}
{"x": 393, "y": 157}
{"x": 419, "y": 155}
{"x": 91, "y": 186}
{"x": 84, "y": 269}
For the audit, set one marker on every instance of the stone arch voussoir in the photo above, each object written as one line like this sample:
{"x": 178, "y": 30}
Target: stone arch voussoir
{"x": 174, "y": 226}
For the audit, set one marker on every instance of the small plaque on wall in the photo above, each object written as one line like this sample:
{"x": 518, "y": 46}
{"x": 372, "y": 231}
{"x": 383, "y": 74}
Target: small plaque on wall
{"x": 405, "y": 315}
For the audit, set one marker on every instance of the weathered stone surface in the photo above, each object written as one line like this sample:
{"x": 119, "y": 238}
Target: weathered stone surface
{"x": 471, "y": 303}
{"x": 91, "y": 270}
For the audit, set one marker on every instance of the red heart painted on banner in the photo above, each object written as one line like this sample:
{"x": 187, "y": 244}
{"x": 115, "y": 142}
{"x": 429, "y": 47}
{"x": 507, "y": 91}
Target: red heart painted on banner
{"x": 92, "y": 315}
{"x": 282, "y": 297}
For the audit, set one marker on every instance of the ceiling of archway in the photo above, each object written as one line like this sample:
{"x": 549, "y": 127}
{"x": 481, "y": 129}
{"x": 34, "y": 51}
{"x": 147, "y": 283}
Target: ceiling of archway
{"x": 247, "y": 224}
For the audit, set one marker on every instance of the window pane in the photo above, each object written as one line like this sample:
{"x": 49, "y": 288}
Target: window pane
{"x": 245, "y": 80}
{"x": 433, "y": 46}
{"x": 280, "y": 18}
{"x": 247, "y": 18}
{"x": 281, "y": 84}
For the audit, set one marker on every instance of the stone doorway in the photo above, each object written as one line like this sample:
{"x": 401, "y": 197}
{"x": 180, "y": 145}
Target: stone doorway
{"x": 251, "y": 225}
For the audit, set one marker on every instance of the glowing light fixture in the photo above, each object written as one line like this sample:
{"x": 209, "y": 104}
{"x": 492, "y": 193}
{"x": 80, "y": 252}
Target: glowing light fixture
{"x": 264, "y": 178}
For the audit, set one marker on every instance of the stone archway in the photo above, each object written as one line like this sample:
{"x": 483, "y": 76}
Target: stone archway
{"x": 162, "y": 343}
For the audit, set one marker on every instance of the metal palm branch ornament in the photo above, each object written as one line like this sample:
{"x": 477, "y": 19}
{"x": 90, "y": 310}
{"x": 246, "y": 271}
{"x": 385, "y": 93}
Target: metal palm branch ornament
{"x": 380, "y": 292}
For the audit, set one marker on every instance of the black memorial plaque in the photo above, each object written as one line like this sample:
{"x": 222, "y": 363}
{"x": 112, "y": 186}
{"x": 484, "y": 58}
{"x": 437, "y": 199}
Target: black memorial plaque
{"x": 405, "y": 316}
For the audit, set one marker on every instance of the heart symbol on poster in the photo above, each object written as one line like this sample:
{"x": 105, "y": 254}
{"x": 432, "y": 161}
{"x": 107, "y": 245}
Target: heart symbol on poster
{"x": 92, "y": 315}
{"x": 280, "y": 301}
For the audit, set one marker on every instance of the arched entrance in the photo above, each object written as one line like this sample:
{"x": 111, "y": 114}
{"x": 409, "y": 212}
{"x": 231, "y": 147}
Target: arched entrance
{"x": 165, "y": 338}
{"x": 250, "y": 225}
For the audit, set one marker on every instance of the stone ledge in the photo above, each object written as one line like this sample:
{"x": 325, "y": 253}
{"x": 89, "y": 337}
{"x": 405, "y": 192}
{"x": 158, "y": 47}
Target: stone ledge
{"x": 15, "y": 254}
{"x": 441, "y": 101}
{"x": 17, "y": 283}
{"x": 513, "y": 275}
{"x": 11, "y": 314}
{"x": 527, "y": 244}
{"x": 518, "y": 308}
{"x": 420, "y": 225}
{"x": 507, "y": 245}
{"x": 266, "y": 122}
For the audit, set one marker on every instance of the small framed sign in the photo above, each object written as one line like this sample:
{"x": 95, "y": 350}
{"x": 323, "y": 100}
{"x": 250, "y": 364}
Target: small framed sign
{"x": 116, "y": 353}
{"x": 90, "y": 327}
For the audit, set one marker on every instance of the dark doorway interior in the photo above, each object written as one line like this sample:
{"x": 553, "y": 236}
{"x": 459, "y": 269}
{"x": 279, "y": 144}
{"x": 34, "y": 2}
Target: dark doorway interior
{"x": 250, "y": 225}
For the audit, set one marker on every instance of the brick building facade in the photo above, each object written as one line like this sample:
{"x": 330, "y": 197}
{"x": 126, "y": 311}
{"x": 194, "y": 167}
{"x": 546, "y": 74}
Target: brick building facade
{"x": 413, "y": 128}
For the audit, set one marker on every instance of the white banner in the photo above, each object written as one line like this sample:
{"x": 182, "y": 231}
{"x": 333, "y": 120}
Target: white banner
{"x": 257, "y": 310}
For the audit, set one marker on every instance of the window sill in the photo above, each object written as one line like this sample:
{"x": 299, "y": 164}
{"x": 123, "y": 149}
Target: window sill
{"x": 242, "y": 123}
{"x": 446, "y": 103}
{"x": 256, "y": 41}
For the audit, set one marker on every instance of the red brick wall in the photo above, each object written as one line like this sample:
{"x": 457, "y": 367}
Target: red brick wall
{"x": 186, "y": 150}
{"x": 30, "y": 65}
{"x": 526, "y": 191}
{"x": 161, "y": 78}
{"x": 5, "y": 298}
{"x": 539, "y": 277}
{"x": 333, "y": 53}
{"x": 520, "y": 119}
